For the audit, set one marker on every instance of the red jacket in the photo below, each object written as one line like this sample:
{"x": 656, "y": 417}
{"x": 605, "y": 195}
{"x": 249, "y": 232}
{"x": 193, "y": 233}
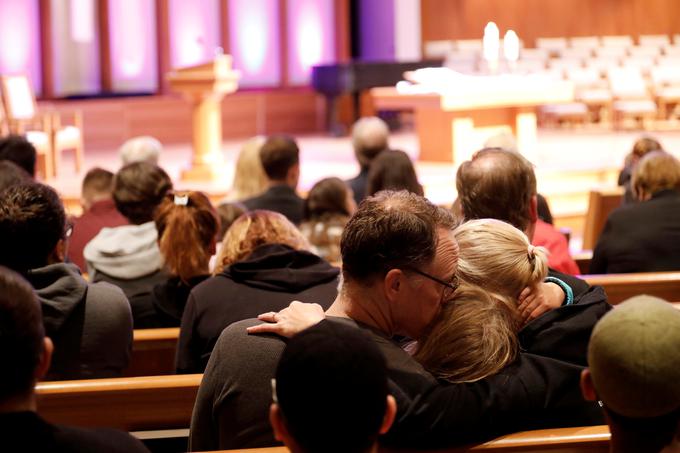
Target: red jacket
{"x": 559, "y": 259}
{"x": 101, "y": 214}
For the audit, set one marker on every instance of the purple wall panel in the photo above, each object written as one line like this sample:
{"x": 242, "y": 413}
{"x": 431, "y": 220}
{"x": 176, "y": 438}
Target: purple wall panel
{"x": 311, "y": 37}
{"x": 20, "y": 39}
{"x": 194, "y": 31}
{"x": 376, "y": 25}
{"x": 254, "y": 41}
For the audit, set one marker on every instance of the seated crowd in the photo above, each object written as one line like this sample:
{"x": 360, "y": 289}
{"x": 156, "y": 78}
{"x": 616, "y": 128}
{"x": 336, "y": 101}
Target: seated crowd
{"x": 419, "y": 326}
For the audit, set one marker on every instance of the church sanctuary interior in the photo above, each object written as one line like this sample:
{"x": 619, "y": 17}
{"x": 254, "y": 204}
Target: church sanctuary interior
{"x": 209, "y": 161}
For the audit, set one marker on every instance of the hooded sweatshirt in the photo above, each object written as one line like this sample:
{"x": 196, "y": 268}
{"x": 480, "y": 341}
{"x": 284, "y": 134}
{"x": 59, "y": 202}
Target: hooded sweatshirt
{"x": 90, "y": 324}
{"x": 129, "y": 258}
{"x": 269, "y": 279}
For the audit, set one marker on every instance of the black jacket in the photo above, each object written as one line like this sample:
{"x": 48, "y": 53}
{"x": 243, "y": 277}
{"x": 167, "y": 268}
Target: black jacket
{"x": 26, "y": 431}
{"x": 641, "y": 237}
{"x": 358, "y": 185}
{"x": 268, "y": 280}
{"x": 280, "y": 198}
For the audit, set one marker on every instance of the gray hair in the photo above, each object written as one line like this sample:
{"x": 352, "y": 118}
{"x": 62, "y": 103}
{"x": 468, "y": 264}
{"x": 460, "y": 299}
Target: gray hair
{"x": 369, "y": 137}
{"x": 141, "y": 149}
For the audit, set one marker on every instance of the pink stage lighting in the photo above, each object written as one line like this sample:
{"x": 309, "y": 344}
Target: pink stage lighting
{"x": 194, "y": 32}
{"x": 253, "y": 39}
{"x": 20, "y": 39}
{"x": 132, "y": 31}
{"x": 310, "y": 37}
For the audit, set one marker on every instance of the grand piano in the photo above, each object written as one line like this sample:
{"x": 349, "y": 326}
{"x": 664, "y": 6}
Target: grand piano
{"x": 333, "y": 80}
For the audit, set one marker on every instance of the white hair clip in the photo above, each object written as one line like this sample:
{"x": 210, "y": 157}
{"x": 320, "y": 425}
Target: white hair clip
{"x": 181, "y": 200}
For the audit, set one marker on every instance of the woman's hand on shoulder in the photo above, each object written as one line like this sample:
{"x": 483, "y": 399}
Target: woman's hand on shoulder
{"x": 539, "y": 299}
{"x": 290, "y": 321}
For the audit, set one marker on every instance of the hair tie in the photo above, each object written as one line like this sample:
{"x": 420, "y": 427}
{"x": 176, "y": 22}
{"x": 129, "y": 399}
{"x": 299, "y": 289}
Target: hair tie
{"x": 181, "y": 200}
{"x": 530, "y": 252}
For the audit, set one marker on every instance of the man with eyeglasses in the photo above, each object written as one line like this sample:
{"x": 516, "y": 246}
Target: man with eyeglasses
{"x": 89, "y": 324}
{"x": 399, "y": 265}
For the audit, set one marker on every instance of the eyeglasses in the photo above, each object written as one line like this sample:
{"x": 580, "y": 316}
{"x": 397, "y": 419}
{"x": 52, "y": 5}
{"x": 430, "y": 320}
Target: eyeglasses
{"x": 450, "y": 286}
{"x": 68, "y": 229}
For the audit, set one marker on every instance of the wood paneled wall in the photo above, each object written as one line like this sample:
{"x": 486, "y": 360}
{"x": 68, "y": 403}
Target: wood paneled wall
{"x": 465, "y": 19}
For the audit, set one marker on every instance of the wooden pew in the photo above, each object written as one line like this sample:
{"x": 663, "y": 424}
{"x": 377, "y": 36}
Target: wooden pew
{"x": 620, "y": 287}
{"x": 588, "y": 439}
{"x": 130, "y": 404}
{"x": 600, "y": 204}
{"x": 583, "y": 259}
{"x": 153, "y": 352}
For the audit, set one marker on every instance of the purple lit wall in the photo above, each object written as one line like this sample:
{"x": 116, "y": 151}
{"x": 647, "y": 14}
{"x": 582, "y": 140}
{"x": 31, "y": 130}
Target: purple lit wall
{"x": 311, "y": 37}
{"x": 19, "y": 41}
{"x": 376, "y": 26}
{"x": 254, "y": 43}
{"x": 75, "y": 47}
{"x": 194, "y": 31}
{"x": 132, "y": 33}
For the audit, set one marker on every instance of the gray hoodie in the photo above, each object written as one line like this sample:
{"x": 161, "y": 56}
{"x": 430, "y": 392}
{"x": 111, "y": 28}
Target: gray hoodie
{"x": 126, "y": 252}
{"x": 90, "y": 324}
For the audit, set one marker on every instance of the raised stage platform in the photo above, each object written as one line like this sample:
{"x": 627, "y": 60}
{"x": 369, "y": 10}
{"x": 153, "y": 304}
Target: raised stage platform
{"x": 569, "y": 162}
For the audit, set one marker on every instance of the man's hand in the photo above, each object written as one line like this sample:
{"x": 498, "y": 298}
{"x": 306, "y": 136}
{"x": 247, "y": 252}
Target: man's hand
{"x": 537, "y": 300}
{"x": 290, "y": 321}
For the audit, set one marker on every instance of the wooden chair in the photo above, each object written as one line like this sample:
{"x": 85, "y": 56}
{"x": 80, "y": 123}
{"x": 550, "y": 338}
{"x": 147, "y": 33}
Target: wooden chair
{"x": 23, "y": 115}
{"x": 153, "y": 352}
{"x": 39, "y": 138}
{"x": 130, "y": 404}
{"x": 588, "y": 439}
{"x": 600, "y": 204}
{"x": 620, "y": 287}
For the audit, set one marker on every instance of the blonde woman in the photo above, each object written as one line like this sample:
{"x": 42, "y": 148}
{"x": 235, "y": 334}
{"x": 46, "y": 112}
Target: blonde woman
{"x": 475, "y": 335}
{"x": 250, "y": 179}
{"x": 263, "y": 264}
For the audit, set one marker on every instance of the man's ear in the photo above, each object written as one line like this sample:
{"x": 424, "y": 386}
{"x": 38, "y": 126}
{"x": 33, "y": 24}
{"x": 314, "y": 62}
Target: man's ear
{"x": 278, "y": 425}
{"x": 45, "y": 359}
{"x": 533, "y": 209}
{"x": 58, "y": 255}
{"x": 587, "y": 387}
{"x": 393, "y": 283}
{"x": 390, "y": 414}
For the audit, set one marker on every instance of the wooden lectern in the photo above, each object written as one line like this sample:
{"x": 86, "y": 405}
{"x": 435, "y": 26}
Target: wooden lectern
{"x": 204, "y": 86}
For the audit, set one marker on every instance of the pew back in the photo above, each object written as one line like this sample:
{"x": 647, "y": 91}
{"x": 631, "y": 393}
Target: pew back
{"x": 600, "y": 204}
{"x": 588, "y": 439}
{"x": 153, "y": 352}
{"x": 130, "y": 404}
{"x": 620, "y": 287}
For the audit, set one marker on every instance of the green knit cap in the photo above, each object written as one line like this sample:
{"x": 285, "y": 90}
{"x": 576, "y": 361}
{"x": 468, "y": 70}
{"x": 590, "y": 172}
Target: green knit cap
{"x": 634, "y": 358}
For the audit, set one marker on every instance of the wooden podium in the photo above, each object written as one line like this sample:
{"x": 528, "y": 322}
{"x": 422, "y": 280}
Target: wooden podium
{"x": 204, "y": 86}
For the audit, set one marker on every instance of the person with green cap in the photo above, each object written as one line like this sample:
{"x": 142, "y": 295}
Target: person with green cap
{"x": 634, "y": 373}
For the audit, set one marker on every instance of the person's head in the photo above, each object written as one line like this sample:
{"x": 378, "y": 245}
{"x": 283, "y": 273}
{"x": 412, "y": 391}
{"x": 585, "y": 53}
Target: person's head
{"x": 138, "y": 189}
{"x": 498, "y": 184}
{"x": 11, "y": 174}
{"x": 20, "y": 151}
{"x": 33, "y": 227}
{"x": 329, "y": 197}
{"x": 634, "y": 370}
{"x": 249, "y": 176}
{"x": 394, "y": 246}
{"x": 330, "y": 392}
{"x": 280, "y": 159}
{"x": 140, "y": 149}
{"x": 23, "y": 345}
{"x": 97, "y": 186}
{"x": 228, "y": 213}
{"x": 645, "y": 145}
{"x": 187, "y": 226}
{"x": 502, "y": 140}
{"x": 369, "y": 138}
{"x": 474, "y": 336}
{"x": 393, "y": 170}
{"x": 656, "y": 171}
{"x": 254, "y": 229}
{"x": 499, "y": 258}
